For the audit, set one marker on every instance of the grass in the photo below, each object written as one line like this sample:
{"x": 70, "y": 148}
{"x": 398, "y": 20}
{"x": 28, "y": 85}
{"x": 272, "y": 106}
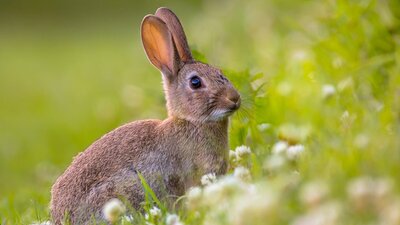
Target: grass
{"x": 322, "y": 75}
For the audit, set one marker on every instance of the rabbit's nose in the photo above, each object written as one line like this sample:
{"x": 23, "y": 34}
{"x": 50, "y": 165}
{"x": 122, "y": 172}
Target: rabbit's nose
{"x": 234, "y": 97}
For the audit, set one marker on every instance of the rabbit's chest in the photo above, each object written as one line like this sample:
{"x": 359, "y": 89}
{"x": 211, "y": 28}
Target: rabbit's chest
{"x": 204, "y": 161}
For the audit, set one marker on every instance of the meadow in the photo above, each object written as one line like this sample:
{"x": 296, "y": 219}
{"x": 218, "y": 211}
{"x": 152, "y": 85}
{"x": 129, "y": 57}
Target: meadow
{"x": 316, "y": 141}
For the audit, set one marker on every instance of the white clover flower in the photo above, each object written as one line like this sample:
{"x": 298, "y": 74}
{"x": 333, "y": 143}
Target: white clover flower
{"x": 313, "y": 193}
{"x": 359, "y": 191}
{"x": 328, "y": 90}
{"x": 242, "y": 173}
{"x": 294, "y": 151}
{"x": 155, "y": 212}
{"x": 280, "y": 147}
{"x": 327, "y": 214}
{"x": 216, "y": 193}
{"x": 113, "y": 209}
{"x": 213, "y": 193}
{"x": 253, "y": 206}
{"x": 367, "y": 191}
{"x": 274, "y": 162}
{"x": 263, "y": 127}
{"x": 173, "y": 219}
{"x": 251, "y": 189}
{"x": 230, "y": 181}
{"x": 242, "y": 151}
{"x": 382, "y": 191}
{"x": 42, "y": 223}
{"x": 194, "y": 194}
{"x": 208, "y": 179}
{"x": 128, "y": 218}
{"x": 232, "y": 156}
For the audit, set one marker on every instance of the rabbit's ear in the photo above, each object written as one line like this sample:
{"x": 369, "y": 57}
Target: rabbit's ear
{"x": 178, "y": 34}
{"x": 159, "y": 45}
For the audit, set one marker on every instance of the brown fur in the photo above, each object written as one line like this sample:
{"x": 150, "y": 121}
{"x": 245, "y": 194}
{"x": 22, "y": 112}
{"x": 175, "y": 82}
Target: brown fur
{"x": 172, "y": 154}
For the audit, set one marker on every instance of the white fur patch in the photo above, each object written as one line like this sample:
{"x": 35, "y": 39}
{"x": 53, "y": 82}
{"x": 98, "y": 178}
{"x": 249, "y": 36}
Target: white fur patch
{"x": 218, "y": 114}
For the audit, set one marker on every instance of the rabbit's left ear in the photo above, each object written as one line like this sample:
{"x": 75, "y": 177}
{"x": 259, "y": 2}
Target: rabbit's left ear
{"x": 159, "y": 45}
{"x": 176, "y": 29}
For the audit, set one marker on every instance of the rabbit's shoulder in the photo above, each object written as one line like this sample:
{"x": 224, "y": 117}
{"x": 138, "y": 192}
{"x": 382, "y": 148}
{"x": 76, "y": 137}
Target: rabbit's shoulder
{"x": 123, "y": 142}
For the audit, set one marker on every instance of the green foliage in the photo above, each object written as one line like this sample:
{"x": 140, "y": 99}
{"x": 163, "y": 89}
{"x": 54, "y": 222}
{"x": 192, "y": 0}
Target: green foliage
{"x": 319, "y": 75}
{"x": 150, "y": 196}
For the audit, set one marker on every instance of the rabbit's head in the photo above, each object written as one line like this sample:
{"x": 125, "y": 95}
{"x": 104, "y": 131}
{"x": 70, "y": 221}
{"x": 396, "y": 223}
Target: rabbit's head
{"x": 194, "y": 91}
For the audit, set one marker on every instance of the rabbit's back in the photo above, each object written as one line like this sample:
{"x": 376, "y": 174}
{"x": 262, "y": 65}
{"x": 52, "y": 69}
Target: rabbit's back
{"x": 106, "y": 169}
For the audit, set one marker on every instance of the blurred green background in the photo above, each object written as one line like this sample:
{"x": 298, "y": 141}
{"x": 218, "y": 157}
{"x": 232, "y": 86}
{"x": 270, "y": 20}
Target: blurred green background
{"x": 70, "y": 71}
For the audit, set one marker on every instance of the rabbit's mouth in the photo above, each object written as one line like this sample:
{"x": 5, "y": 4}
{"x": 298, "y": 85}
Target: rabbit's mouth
{"x": 220, "y": 114}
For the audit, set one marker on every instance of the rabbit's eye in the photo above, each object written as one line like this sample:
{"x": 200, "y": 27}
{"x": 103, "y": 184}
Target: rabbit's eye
{"x": 195, "y": 82}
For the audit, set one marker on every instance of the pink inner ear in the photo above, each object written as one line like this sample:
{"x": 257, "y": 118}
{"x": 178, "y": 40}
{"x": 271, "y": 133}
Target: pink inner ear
{"x": 176, "y": 29}
{"x": 158, "y": 44}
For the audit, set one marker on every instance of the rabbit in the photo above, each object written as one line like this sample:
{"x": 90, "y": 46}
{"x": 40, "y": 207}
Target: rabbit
{"x": 172, "y": 154}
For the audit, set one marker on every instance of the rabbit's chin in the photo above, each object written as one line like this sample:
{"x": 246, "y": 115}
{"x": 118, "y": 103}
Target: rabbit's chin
{"x": 220, "y": 114}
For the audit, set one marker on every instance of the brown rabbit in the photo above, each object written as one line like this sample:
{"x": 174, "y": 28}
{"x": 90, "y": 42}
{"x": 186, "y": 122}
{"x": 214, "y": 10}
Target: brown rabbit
{"x": 172, "y": 154}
